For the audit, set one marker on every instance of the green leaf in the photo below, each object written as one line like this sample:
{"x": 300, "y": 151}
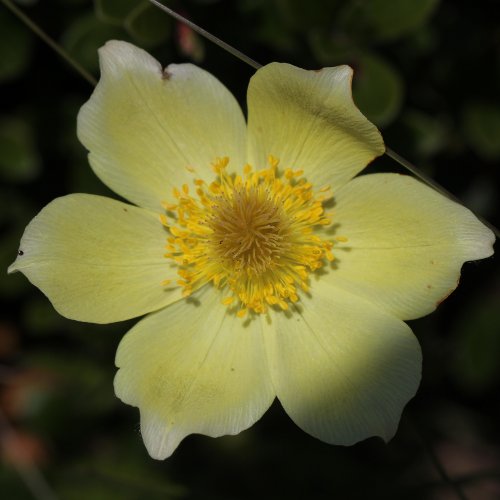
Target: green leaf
{"x": 329, "y": 50}
{"x": 481, "y": 125}
{"x": 478, "y": 346}
{"x": 15, "y": 47}
{"x": 147, "y": 25}
{"x": 16, "y": 207}
{"x": 114, "y": 11}
{"x": 391, "y": 19}
{"x": 19, "y": 159}
{"x": 429, "y": 134}
{"x": 41, "y": 318}
{"x": 385, "y": 20}
{"x": 85, "y": 36}
{"x": 85, "y": 379}
{"x": 117, "y": 470}
{"x": 378, "y": 89}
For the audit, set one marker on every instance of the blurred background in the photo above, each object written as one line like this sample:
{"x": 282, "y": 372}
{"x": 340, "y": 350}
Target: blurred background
{"x": 427, "y": 72}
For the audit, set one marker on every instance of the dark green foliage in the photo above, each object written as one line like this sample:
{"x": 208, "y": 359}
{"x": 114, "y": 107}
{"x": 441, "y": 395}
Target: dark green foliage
{"x": 428, "y": 73}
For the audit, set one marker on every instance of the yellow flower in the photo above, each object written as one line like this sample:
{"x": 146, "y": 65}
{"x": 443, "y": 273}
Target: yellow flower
{"x": 268, "y": 269}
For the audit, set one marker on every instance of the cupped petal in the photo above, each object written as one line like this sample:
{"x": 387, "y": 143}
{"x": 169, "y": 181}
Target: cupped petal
{"x": 342, "y": 369}
{"x": 143, "y": 125}
{"x": 97, "y": 259}
{"x": 309, "y": 121}
{"x": 406, "y": 243}
{"x": 193, "y": 368}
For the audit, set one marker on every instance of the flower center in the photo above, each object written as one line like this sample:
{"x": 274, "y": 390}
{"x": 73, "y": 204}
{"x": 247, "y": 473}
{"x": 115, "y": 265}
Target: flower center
{"x": 252, "y": 234}
{"x": 250, "y": 231}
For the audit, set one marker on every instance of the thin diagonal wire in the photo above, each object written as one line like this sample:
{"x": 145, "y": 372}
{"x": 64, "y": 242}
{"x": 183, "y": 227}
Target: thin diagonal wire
{"x": 435, "y": 185}
{"x": 207, "y": 35}
{"x": 49, "y": 41}
{"x": 389, "y": 152}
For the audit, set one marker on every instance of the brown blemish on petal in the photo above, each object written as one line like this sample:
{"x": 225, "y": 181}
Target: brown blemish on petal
{"x": 440, "y": 301}
{"x": 450, "y": 291}
{"x": 166, "y": 75}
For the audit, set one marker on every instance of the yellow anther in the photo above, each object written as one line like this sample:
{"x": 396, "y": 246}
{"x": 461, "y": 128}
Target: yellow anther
{"x": 168, "y": 206}
{"x": 220, "y": 164}
{"x": 242, "y": 313}
{"x": 283, "y": 305}
{"x": 273, "y": 161}
{"x": 256, "y": 235}
{"x": 215, "y": 187}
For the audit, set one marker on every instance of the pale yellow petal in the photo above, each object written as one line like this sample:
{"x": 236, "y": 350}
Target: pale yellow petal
{"x": 97, "y": 259}
{"x": 342, "y": 369}
{"x": 143, "y": 125}
{"x": 192, "y": 368}
{"x": 309, "y": 121}
{"x": 406, "y": 243}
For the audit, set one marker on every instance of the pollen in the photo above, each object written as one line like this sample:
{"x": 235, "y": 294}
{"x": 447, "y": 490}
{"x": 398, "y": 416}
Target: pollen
{"x": 256, "y": 235}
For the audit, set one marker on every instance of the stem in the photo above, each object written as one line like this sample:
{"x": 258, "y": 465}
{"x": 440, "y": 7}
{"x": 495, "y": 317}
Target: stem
{"x": 50, "y": 42}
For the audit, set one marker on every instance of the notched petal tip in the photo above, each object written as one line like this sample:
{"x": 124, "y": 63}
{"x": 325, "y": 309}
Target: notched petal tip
{"x": 309, "y": 118}
{"x": 347, "y": 370}
{"x": 137, "y": 98}
{"x": 119, "y": 55}
{"x": 409, "y": 243}
{"x": 160, "y": 439}
{"x": 487, "y": 242}
{"x": 14, "y": 267}
{"x": 20, "y": 262}
{"x": 80, "y": 268}
{"x": 201, "y": 376}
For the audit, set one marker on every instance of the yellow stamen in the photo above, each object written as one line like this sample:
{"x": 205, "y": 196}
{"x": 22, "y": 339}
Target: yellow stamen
{"x": 252, "y": 234}
{"x": 241, "y": 313}
{"x": 164, "y": 220}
